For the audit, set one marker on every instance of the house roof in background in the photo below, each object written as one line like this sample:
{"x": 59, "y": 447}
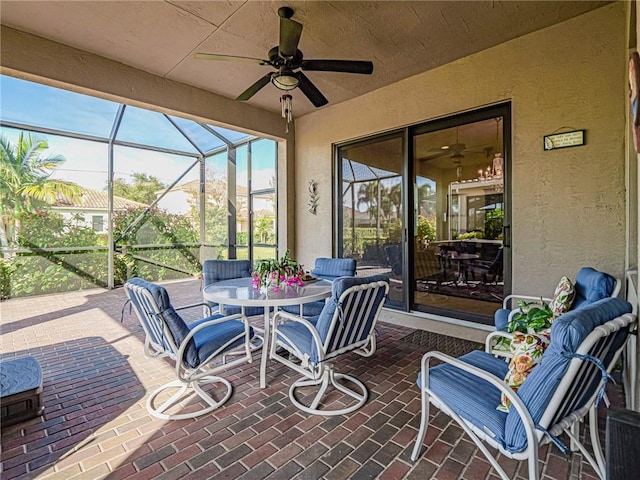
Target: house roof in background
{"x": 95, "y": 200}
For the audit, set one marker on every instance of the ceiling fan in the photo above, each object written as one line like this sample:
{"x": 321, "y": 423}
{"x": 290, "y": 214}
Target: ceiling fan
{"x": 287, "y": 60}
{"x": 456, "y": 151}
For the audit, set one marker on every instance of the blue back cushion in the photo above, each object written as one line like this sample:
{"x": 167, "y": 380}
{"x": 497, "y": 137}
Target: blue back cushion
{"x": 217, "y": 270}
{"x": 591, "y": 286}
{"x": 337, "y": 289}
{"x": 501, "y": 318}
{"x": 176, "y": 325}
{"x": 567, "y": 333}
{"x": 332, "y": 268}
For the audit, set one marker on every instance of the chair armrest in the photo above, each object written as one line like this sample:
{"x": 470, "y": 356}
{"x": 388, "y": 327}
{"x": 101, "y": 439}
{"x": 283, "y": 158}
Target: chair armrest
{"x": 493, "y": 344}
{"x": 284, "y": 317}
{"x": 509, "y": 298}
{"x": 193, "y": 305}
{"x": 499, "y": 383}
{"x": 192, "y": 332}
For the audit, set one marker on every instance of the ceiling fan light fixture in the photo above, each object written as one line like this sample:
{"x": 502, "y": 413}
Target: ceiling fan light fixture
{"x": 285, "y": 80}
{"x": 457, "y": 158}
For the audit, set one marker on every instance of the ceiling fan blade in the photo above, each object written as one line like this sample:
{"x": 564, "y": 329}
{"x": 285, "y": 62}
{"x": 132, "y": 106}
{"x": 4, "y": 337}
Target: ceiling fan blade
{"x": 232, "y": 58}
{"x": 346, "y": 66}
{"x": 290, "y": 32}
{"x": 310, "y": 90}
{"x": 443, "y": 153}
{"x": 255, "y": 88}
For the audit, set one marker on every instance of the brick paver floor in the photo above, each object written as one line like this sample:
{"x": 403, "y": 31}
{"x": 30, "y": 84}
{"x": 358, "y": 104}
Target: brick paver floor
{"x": 96, "y": 380}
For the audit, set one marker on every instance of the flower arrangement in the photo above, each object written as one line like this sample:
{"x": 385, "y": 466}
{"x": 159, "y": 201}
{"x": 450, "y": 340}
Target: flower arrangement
{"x": 276, "y": 274}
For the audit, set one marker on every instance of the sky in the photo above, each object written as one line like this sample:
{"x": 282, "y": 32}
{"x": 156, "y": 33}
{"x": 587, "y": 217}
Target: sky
{"x": 86, "y": 161}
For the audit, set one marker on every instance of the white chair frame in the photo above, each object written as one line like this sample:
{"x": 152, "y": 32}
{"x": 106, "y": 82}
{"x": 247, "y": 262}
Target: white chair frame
{"x": 189, "y": 380}
{"x": 535, "y": 437}
{"x": 507, "y": 303}
{"x": 323, "y": 373}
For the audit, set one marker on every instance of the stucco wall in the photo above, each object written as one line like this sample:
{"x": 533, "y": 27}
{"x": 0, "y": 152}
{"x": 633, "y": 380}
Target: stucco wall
{"x": 568, "y": 204}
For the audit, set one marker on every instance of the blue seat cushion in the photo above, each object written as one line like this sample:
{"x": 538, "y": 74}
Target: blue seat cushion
{"x": 468, "y": 396}
{"x": 212, "y": 338}
{"x": 567, "y": 333}
{"x": 297, "y": 335}
{"x": 204, "y": 342}
{"x": 217, "y": 270}
{"x": 302, "y": 338}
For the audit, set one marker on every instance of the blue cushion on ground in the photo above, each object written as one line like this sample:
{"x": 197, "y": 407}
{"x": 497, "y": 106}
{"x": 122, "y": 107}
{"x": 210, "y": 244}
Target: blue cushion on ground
{"x": 591, "y": 286}
{"x": 470, "y": 397}
{"x": 567, "y": 333}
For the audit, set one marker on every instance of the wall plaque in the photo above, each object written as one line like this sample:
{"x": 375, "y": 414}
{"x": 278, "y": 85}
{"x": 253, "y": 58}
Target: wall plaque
{"x": 564, "y": 139}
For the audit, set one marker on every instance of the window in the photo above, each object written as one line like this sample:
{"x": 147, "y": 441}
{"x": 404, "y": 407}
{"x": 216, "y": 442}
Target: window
{"x": 97, "y": 222}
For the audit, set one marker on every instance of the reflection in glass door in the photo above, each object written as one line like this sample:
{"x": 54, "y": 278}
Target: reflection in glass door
{"x": 371, "y": 229}
{"x": 459, "y": 207}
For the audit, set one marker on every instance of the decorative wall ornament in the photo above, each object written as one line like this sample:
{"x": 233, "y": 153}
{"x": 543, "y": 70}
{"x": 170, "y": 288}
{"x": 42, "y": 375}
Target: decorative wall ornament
{"x": 313, "y": 196}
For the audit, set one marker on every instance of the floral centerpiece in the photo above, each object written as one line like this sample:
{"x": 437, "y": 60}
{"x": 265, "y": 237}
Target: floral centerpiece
{"x": 275, "y": 274}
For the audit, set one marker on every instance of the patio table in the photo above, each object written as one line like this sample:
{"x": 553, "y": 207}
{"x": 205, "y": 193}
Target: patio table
{"x": 460, "y": 259}
{"x": 240, "y": 292}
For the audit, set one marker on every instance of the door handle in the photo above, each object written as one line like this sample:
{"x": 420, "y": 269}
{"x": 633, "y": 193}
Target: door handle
{"x": 506, "y": 236}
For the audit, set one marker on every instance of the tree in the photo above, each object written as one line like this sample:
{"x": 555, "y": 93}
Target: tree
{"x": 143, "y": 188}
{"x": 26, "y": 183}
{"x": 263, "y": 229}
{"x": 368, "y": 195}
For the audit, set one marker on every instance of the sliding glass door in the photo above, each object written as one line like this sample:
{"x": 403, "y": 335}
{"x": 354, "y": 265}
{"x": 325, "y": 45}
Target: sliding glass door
{"x": 371, "y": 215}
{"x": 431, "y": 212}
{"x": 458, "y": 172}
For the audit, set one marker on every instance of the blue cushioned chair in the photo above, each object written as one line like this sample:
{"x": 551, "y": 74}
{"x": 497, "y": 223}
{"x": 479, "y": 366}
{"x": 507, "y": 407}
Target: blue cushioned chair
{"x": 193, "y": 347}
{"x": 217, "y": 270}
{"x": 332, "y": 268}
{"x": 558, "y": 393}
{"x": 346, "y": 323}
{"x": 590, "y": 285}
{"x": 327, "y": 269}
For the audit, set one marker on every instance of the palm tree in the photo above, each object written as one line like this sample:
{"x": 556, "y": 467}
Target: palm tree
{"x": 26, "y": 183}
{"x": 368, "y": 195}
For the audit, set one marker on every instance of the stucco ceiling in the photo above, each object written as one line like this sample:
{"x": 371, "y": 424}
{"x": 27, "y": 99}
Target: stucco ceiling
{"x": 401, "y": 38}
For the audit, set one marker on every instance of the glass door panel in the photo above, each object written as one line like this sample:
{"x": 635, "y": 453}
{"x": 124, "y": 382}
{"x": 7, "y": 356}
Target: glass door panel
{"x": 372, "y": 215}
{"x": 459, "y": 214}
